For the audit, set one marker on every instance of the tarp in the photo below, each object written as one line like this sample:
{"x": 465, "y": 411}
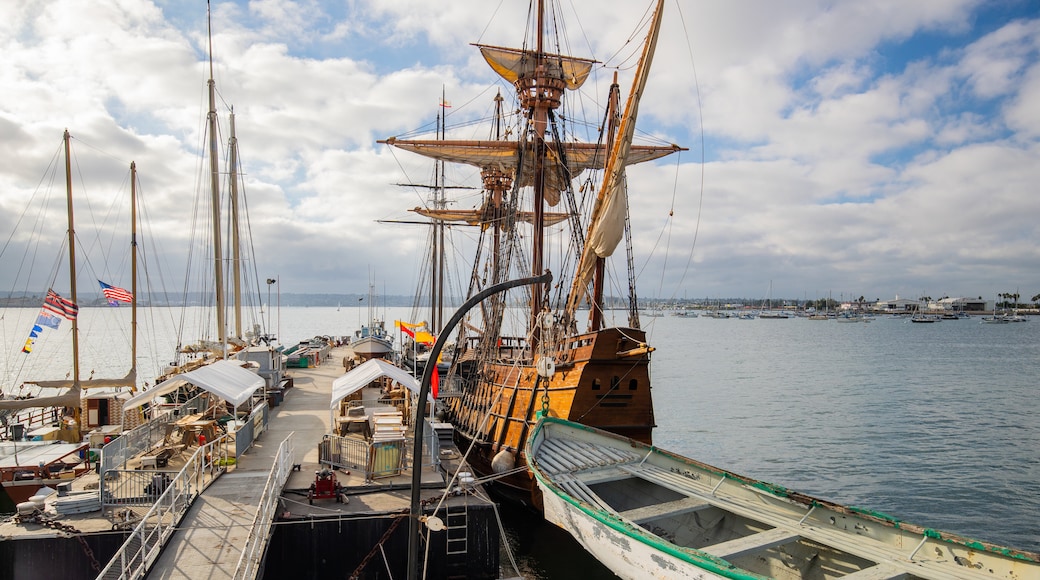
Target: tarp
{"x": 223, "y": 378}
{"x": 356, "y": 379}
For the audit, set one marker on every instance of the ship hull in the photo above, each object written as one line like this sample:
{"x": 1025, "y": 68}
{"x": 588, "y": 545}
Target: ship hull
{"x": 601, "y": 379}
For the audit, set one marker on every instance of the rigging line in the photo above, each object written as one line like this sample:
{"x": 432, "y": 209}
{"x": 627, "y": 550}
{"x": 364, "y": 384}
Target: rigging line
{"x": 700, "y": 115}
{"x": 490, "y": 20}
{"x": 400, "y": 166}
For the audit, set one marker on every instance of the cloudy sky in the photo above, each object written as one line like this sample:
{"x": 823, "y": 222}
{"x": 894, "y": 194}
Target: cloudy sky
{"x": 853, "y": 148}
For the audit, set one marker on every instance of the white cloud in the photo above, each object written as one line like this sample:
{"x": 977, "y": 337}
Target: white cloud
{"x": 833, "y": 164}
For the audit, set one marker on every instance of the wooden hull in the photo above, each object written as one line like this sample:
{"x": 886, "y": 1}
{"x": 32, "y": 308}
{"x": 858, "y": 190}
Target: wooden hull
{"x": 647, "y": 513}
{"x": 602, "y": 379}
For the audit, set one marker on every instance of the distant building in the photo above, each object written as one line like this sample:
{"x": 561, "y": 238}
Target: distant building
{"x": 961, "y": 304}
{"x": 898, "y": 305}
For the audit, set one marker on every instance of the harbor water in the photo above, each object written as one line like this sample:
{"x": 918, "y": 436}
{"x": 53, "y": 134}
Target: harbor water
{"x": 934, "y": 424}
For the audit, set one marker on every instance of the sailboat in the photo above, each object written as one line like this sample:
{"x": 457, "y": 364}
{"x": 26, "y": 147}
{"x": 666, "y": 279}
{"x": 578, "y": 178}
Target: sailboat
{"x": 233, "y": 340}
{"x": 769, "y": 313}
{"x": 46, "y": 463}
{"x": 533, "y": 357}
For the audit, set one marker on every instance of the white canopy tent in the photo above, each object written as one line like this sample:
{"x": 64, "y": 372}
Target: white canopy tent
{"x": 364, "y": 374}
{"x": 223, "y": 378}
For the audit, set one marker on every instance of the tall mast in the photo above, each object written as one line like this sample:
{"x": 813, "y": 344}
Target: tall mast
{"x": 599, "y": 279}
{"x": 538, "y": 95}
{"x": 437, "y": 297}
{"x": 72, "y": 262}
{"x": 236, "y": 250}
{"x": 133, "y": 270}
{"x": 214, "y": 167}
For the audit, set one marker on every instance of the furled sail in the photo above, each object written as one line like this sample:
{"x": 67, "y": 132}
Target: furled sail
{"x": 607, "y": 223}
{"x": 480, "y": 217}
{"x": 513, "y": 64}
{"x": 502, "y": 155}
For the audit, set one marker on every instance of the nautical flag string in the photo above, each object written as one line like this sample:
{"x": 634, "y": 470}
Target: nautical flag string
{"x": 115, "y": 293}
{"x": 29, "y": 342}
{"x": 67, "y": 309}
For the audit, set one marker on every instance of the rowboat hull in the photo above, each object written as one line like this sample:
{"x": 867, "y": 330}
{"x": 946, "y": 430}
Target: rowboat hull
{"x": 648, "y": 513}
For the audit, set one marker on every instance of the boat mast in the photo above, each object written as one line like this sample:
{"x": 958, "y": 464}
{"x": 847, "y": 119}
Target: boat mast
{"x": 236, "y": 250}
{"x": 214, "y": 167}
{"x": 599, "y": 279}
{"x": 437, "y": 297}
{"x": 133, "y": 273}
{"x": 72, "y": 266}
{"x": 539, "y": 94}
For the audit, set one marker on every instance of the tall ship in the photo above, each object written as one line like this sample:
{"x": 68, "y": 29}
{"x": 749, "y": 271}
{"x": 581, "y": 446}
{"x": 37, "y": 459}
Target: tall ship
{"x": 550, "y": 202}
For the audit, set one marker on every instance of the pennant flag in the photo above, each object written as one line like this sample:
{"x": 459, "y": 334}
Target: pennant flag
{"x": 36, "y": 330}
{"x": 67, "y": 309}
{"x": 407, "y": 331}
{"x": 28, "y": 345}
{"x": 115, "y": 293}
{"x": 47, "y": 319}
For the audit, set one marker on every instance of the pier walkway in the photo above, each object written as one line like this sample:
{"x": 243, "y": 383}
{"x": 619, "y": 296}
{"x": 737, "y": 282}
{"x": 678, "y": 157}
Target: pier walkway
{"x": 213, "y": 535}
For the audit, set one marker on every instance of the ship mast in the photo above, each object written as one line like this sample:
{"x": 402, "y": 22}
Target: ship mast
{"x": 214, "y": 167}
{"x": 236, "y": 250}
{"x": 72, "y": 267}
{"x": 133, "y": 274}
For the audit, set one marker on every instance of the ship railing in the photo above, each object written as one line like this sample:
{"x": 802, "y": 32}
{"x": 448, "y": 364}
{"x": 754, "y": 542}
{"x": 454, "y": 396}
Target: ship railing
{"x": 26, "y": 420}
{"x": 145, "y": 543}
{"x": 252, "y": 554}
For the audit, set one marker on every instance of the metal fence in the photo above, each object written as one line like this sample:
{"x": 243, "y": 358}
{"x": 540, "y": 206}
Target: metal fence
{"x": 251, "y": 428}
{"x": 374, "y": 459}
{"x": 252, "y": 555}
{"x": 145, "y": 543}
{"x": 116, "y": 453}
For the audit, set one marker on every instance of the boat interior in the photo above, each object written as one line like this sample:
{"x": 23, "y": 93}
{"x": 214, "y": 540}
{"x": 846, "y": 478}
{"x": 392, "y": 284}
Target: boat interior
{"x": 691, "y": 506}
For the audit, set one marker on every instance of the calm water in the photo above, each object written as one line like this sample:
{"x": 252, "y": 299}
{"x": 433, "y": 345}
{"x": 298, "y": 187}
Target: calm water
{"x": 931, "y": 423}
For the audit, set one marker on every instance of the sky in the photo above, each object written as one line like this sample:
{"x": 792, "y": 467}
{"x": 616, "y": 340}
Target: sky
{"x": 874, "y": 149}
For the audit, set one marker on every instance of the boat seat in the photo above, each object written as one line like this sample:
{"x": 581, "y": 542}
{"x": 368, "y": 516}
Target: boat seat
{"x": 663, "y": 510}
{"x": 878, "y": 572}
{"x": 575, "y": 488}
{"x": 753, "y": 543}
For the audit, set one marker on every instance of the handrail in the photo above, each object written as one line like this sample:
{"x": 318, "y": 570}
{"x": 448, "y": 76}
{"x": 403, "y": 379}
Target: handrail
{"x": 249, "y": 562}
{"x": 143, "y": 546}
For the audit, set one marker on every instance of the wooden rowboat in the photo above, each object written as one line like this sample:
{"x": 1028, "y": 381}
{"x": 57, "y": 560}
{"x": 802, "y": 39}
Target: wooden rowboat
{"x": 647, "y": 513}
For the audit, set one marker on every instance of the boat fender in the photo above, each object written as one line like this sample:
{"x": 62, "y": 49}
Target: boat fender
{"x": 504, "y": 461}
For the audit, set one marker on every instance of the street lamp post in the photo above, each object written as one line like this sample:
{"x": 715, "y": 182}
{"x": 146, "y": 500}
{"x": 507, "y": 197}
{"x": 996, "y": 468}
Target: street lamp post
{"x": 269, "y": 282}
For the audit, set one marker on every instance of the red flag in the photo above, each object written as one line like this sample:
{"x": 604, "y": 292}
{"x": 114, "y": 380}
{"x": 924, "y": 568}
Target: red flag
{"x": 434, "y": 381}
{"x": 65, "y": 308}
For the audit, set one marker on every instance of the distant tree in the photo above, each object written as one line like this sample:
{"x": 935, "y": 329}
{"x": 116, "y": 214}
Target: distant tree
{"x": 1035, "y": 299}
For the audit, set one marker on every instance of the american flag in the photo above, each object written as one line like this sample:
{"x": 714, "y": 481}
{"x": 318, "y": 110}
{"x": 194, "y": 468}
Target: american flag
{"x": 115, "y": 292}
{"x": 67, "y": 309}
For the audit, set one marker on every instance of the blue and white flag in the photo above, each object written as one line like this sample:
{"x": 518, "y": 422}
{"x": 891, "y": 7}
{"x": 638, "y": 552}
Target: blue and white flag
{"x": 48, "y": 320}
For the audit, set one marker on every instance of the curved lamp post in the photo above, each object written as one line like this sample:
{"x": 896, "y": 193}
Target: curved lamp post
{"x": 424, "y": 389}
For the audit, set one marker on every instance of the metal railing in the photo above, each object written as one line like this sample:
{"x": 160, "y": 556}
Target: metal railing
{"x": 145, "y": 543}
{"x": 374, "y": 459}
{"x": 252, "y": 554}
